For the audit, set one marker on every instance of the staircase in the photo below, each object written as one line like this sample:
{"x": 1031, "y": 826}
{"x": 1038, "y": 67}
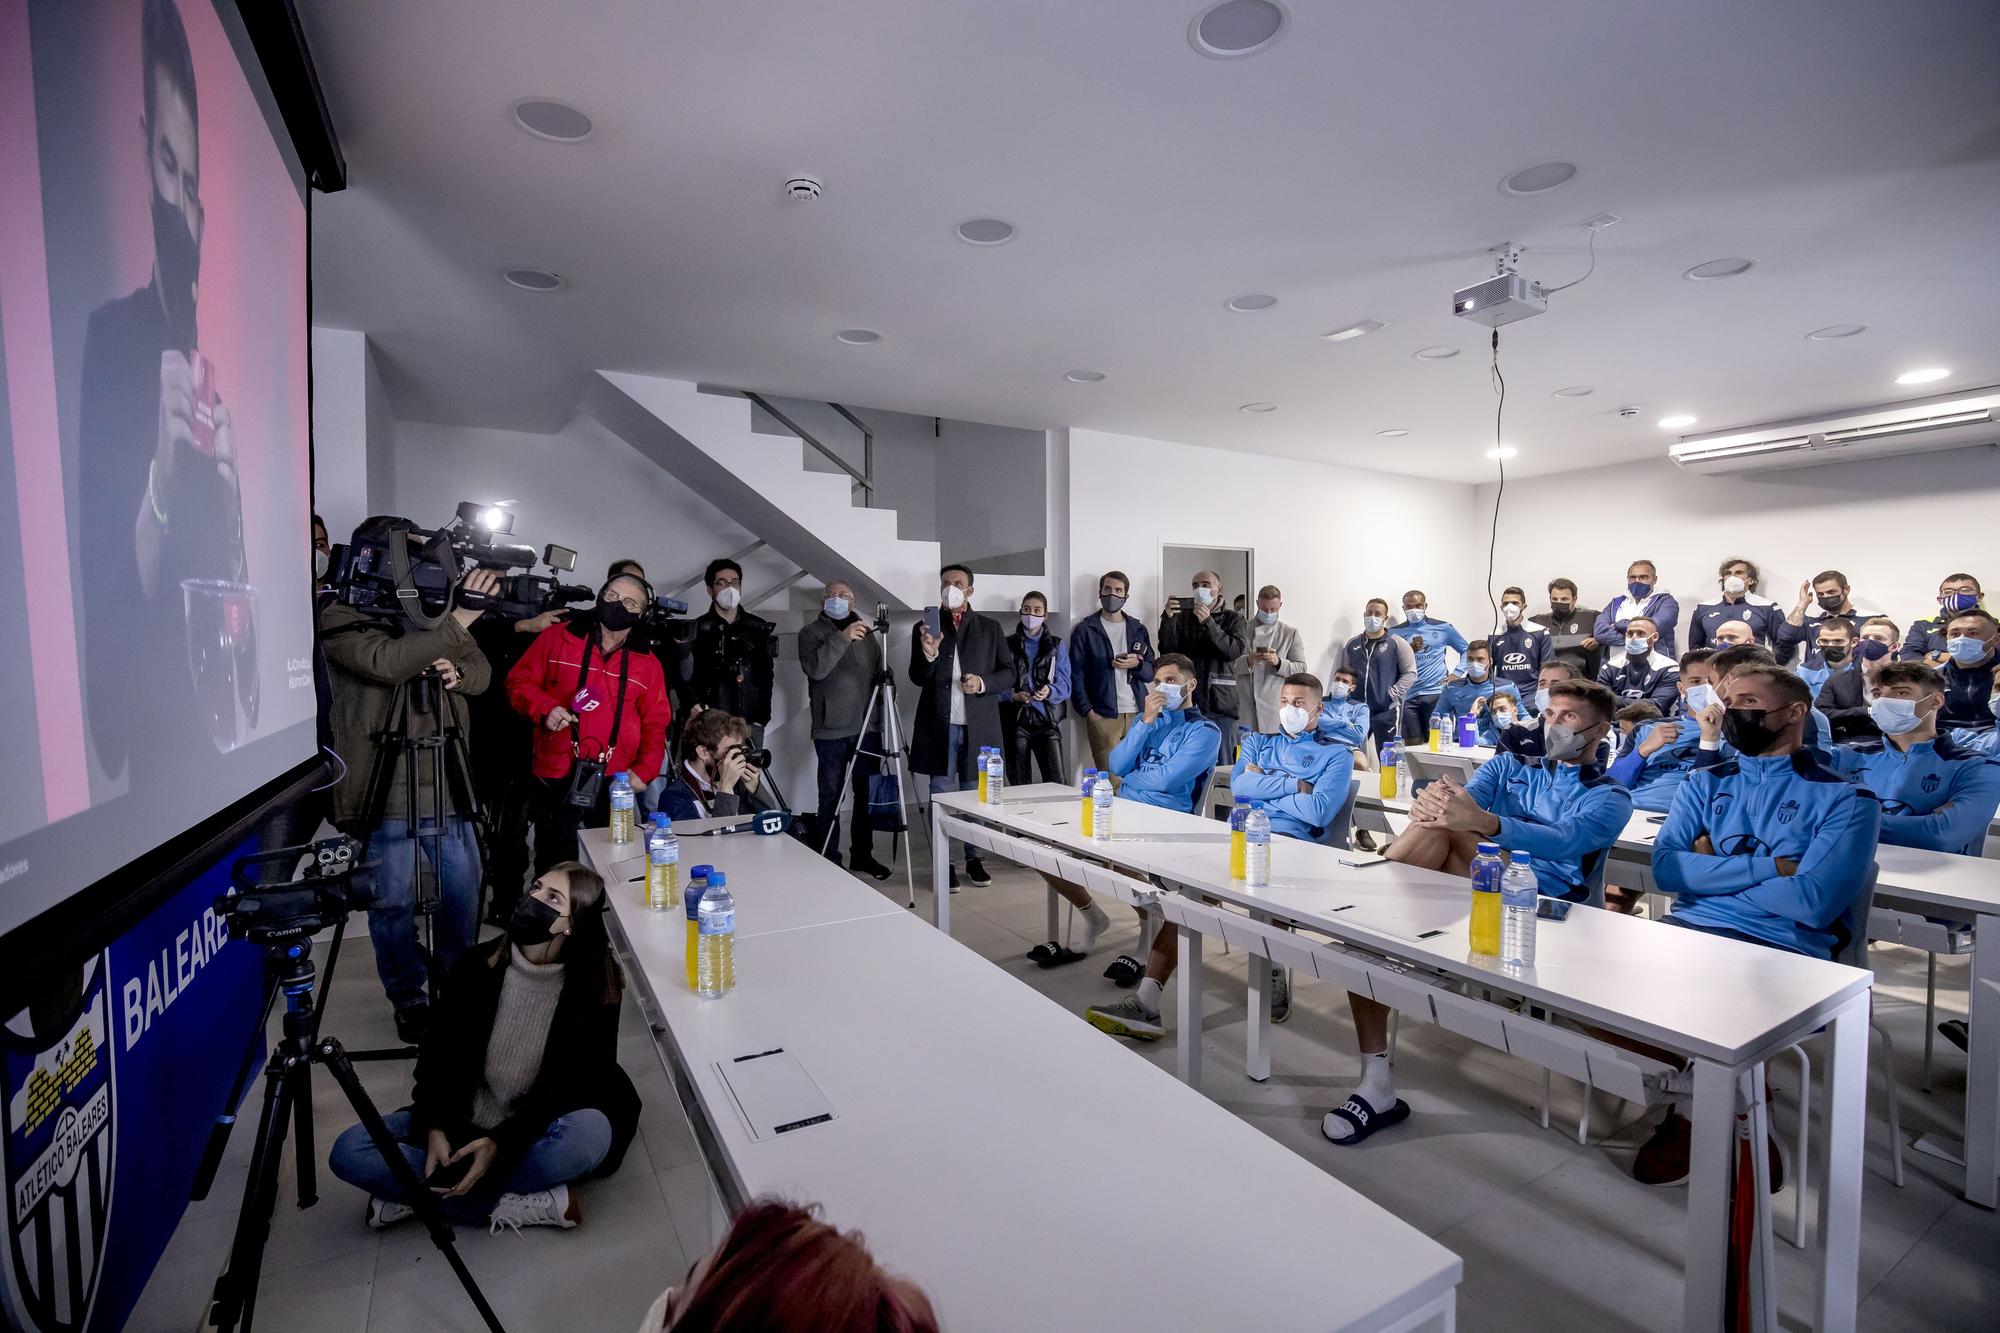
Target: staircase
{"x": 762, "y": 481}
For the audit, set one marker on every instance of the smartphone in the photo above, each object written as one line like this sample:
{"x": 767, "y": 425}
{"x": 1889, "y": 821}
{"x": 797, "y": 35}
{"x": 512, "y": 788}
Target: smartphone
{"x": 1362, "y": 860}
{"x": 448, "y": 1174}
{"x": 931, "y": 622}
{"x": 1553, "y": 909}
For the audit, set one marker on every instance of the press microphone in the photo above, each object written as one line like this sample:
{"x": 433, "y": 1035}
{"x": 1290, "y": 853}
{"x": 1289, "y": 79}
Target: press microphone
{"x": 764, "y": 822}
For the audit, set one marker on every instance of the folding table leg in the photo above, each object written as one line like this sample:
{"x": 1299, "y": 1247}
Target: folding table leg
{"x": 940, "y": 871}
{"x": 1187, "y": 991}
{"x": 1257, "y": 1021}
{"x": 1711, "y": 1157}
{"x": 1837, "y": 1244}
{"x": 1982, "y": 1068}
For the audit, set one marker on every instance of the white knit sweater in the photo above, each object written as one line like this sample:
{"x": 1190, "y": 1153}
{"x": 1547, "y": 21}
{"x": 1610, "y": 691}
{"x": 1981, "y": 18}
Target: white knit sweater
{"x": 528, "y": 995}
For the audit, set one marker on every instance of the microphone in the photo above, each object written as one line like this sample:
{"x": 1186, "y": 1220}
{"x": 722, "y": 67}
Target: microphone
{"x": 763, "y": 823}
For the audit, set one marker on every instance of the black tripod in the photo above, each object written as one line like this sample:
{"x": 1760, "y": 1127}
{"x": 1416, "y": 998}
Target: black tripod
{"x": 288, "y": 1106}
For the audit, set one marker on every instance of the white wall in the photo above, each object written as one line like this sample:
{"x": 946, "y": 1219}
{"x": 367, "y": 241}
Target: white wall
{"x": 340, "y": 428}
{"x": 1893, "y": 526}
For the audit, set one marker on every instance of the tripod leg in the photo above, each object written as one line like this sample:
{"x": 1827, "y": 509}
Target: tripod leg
{"x": 415, "y": 1192}
{"x": 847, "y": 777}
{"x": 235, "y": 1295}
{"x": 299, "y": 1095}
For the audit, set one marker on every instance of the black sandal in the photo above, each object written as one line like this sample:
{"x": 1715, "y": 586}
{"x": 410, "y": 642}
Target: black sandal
{"x": 1044, "y": 954}
{"x": 1124, "y": 972}
{"x": 1364, "y": 1119}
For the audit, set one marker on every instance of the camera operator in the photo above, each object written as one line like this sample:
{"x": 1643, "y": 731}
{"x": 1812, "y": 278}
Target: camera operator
{"x": 842, "y": 659}
{"x": 727, "y": 653}
{"x": 722, "y": 773}
{"x": 367, "y": 659}
{"x": 599, "y": 708}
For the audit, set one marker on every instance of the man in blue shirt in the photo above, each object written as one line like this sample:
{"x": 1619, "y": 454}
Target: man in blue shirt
{"x": 1562, "y": 814}
{"x": 1925, "y": 642}
{"x": 1767, "y": 847}
{"x": 1110, "y": 662}
{"x": 1971, "y": 670}
{"x": 1161, "y": 761}
{"x": 1518, "y": 647}
{"x": 1934, "y": 794}
{"x": 1384, "y": 669}
{"x": 1470, "y": 691}
{"x": 1300, "y": 774}
{"x": 1640, "y": 672}
{"x": 1653, "y": 768}
{"x": 1643, "y": 598}
{"x": 1343, "y": 714}
{"x": 1428, "y": 640}
{"x": 1740, "y": 602}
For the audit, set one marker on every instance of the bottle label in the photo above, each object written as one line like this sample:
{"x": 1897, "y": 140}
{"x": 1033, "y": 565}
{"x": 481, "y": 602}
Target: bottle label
{"x": 719, "y": 923}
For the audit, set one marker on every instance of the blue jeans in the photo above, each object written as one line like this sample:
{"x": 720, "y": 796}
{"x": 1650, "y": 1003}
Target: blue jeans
{"x": 569, "y": 1149}
{"x": 955, "y": 776}
{"x": 392, "y": 923}
{"x": 833, "y": 756}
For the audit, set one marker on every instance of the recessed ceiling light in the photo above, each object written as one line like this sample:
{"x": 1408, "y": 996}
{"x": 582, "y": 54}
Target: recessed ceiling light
{"x": 1833, "y": 331}
{"x": 1238, "y": 28}
{"x": 534, "y": 279}
{"x": 1676, "y": 422}
{"x": 1258, "y": 407}
{"x": 1395, "y": 434}
{"x": 1085, "y": 377}
{"x": 555, "y": 121}
{"x": 1435, "y": 353}
{"x": 1504, "y": 451}
{"x": 1354, "y": 331}
{"x": 859, "y": 337}
{"x": 1540, "y": 178}
{"x": 1253, "y": 301}
{"x": 985, "y": 231}
{"x": 1575, "y": 391}
{"x": 1719, "y": 268}
{"x": 1930, "y": 376}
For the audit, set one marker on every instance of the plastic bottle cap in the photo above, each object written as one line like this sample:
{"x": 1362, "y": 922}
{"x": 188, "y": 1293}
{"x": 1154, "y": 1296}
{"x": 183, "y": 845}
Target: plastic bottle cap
{"x": 702, "y": 871}
{"x": 627, "y": 775}
{"x": 1489, "y": 849}
{"x": 716, "y": 879}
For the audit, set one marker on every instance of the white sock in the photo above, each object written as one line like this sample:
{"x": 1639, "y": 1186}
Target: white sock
{"x": 1149, "y": 996}
{"x": 1095, "y": 921}
{"x": 1377, "y": 1088}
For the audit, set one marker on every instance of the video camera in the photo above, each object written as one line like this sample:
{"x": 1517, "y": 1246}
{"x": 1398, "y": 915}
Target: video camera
{"x": 392, "y": 567}
{"x": 291, "y": 909}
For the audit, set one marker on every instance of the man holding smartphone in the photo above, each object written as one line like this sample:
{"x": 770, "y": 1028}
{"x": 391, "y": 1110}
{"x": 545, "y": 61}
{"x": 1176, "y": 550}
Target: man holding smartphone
{"x": 962, "y": 663}
{"x": 1110, "y": 665}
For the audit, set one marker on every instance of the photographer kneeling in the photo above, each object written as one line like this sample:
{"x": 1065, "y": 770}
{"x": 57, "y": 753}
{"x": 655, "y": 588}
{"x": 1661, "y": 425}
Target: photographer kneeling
{"x": 721, "y": 775}
{"x": 600, "y": 708}
{"x": 518, "y": 1091}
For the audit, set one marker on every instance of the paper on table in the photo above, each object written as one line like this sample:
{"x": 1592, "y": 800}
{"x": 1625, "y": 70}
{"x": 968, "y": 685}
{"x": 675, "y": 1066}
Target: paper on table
{"x": 774, "y": 1092}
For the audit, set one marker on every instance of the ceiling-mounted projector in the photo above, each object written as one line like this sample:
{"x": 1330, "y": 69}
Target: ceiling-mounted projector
{"x": 1502, "y": 298}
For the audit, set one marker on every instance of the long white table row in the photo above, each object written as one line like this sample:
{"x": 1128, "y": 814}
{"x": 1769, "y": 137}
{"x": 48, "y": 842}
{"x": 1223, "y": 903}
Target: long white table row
{"x": 1021, "y": 1166}
{"x": 1400, "y": 935}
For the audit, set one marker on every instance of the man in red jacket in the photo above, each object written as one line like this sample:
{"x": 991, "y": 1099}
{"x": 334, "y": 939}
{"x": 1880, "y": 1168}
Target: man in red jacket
{"x": 590, "y": 696}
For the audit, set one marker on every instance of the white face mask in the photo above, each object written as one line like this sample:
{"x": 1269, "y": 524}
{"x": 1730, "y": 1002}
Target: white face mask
{"x": 1541, "y": 700}
{"x": 320, "y": 561}
{"x": 1414, "y": 614}
{"x": 1293, "y": 719}
{"x": 1895, "y": 716}
{"x": 1502, "y": 719}
{"x": 1340, "y": 689}
{"x": 1205, "y": 595}
{"x": 1171, "y": 692}
{"x": 1699, "y": 697}
{"x": 1511, "y": 610}
{"x": 1266, "y": 617}
{"x": 1475, "y": 671}
{"x": 1371, "y": 623}
{"x": 954, "y": 596}
{"x": 727, "y": 598}
{"x": 1734, "y": 585}
{"x": 1638, "y": 647}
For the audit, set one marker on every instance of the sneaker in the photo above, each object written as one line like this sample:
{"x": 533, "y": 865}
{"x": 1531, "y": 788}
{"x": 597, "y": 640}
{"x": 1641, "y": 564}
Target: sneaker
{"x": 976, "y": 871}
{"x": 1281, "y": 994}
{"x": 385, "y": 1213}
{"x": 868, "y": 866}
{"x": 954, "y": 879}
{"x": 413, "y": 1023}
{"x": 1956, "y": 1032}
{"x": 556, "y": 1207}
{"x": 1663, "y": 1159}
{"x": 1127, "y": 1018}
{"x": 1364, "y": 840}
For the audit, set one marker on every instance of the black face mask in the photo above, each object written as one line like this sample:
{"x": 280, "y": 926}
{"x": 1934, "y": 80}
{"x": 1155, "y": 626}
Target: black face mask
{"x": 1830, "y": 601}
{"x": 1561, "y": 609}
{"x": 1834, "y": 652}
{"x": 1745, "y": 729}
{"x": 178, "y": 257}
{"x": 615, "y": 616}
{"x": 1110, "y": 603}
{"x": 530, "y": 925}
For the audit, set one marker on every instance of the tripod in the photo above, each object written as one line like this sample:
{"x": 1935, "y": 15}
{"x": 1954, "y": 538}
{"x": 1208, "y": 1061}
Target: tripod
{"x": 896, "y": 750}
{"x": 288, "y": 1105}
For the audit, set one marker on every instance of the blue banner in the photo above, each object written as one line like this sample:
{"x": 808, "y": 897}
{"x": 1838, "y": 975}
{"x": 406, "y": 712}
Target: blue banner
{"x": 113, "y": 1077}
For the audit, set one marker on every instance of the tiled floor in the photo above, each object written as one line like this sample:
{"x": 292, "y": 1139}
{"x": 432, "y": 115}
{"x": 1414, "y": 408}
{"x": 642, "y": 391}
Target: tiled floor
{"x": 1554, "y": 1236}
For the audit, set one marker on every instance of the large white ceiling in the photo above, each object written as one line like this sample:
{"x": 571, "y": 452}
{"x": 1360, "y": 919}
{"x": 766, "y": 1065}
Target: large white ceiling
{"x": 1851, "y": 147}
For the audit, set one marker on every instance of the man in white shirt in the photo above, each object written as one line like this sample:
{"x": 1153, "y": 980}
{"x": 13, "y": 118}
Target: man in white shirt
{"x": 1110, "y": 665}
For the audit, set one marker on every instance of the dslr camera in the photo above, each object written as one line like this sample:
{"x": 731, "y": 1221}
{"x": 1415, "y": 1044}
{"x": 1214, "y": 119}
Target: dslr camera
{"x": 760, "y": 759}
{"x": 292, "y": 909}
{"x": 393, "y": 568}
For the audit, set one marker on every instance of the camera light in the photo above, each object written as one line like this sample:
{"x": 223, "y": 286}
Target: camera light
{"x": 493, "y": 519}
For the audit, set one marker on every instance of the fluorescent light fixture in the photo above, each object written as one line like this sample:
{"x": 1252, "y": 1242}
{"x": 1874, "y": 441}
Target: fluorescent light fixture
{"x": 859, "y": 337}
{"x": 1928, "y": 376}
{"x": 1085, "y": 377}
{"x": 1258, "y": 407}
{"x": 1366, "y": 326}
{"x": 1676, "y": 422}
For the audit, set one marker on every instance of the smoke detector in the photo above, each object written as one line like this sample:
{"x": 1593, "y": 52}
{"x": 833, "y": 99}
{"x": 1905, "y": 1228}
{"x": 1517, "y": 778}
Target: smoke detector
{"x": 804, "y": 189}
{"x": 1628, "y": 412}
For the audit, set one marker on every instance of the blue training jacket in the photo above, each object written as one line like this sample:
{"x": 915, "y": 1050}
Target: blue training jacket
{"x": 1519, "y": 653}
{"x": 1159, "y": 762}
{"x": 1345, "y": 720}
{"x": 1564, "y": 816}
{"x": 1655, "y": 676}
{"x": 1653, "y": 779}
{"x": 1755, "y": 810}
{"x": 1314, "y": 757}
{"x": 1435, "y": 636}
{"x": 1935, "y": 795}
{"x": 1762, "y": 618}
{"x": 1458, "y": 698}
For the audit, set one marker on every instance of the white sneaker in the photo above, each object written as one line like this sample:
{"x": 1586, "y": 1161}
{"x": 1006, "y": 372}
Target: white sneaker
{"x": 383, "y": 1213}
{"x": 544, "y": 1208}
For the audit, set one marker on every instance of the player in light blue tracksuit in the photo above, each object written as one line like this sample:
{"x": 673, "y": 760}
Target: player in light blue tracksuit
{"x": 1653, "y": 771}
{"x": 1564, "y": 816}
{"x": 1300, "y": 779}
{"x": 1475, "y": 681}
{"x": 1342, "y": 715}
{"x": 1160, "y": 762}
{"x": 1428, "y": 640}
{"x": 1934, "y": 793}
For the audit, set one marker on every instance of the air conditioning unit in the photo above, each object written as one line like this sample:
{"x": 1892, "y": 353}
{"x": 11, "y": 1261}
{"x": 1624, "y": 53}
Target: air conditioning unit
{"x": 1909, "y": 428}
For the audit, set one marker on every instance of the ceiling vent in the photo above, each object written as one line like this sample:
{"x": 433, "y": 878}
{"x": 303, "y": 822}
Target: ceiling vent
{"x": 1913, "y": 428}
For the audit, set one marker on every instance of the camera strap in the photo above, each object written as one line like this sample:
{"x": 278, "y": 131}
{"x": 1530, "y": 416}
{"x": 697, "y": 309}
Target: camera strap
{"x": 406, "y": 591}
{"x": 617, "y": 709}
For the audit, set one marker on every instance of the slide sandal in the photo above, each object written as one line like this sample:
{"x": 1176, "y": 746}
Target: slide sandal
{"x": 1365, "y": 1119}
{"x": 1124, "y": 971}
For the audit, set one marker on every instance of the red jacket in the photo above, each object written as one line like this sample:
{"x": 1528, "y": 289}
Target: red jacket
{"x": 546, "y": 677}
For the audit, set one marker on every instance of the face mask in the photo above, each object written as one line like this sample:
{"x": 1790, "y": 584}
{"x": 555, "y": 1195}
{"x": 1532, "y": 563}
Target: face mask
{"x": 1830, "y": 601}
{"x": 615, "y": 616}
{"x": 531, "y": 922}
{"x": 1636, "y": 646}
{"x": 1205, "y": 595}
{"x": 1110, "y": 603}
{"x": 1561, "y": 609}
{"x": 1032, "y": 624}
{"x": 1700, "y": 697}
{"x": 1894, "y": 716}
{"x": 1475, "y": 671}
{"x": 320, "y": 561}
{"x": 1964, "y": 649}
{"x": 1953, "y": 602}
{"x": 1640, "y": 591}
{"x": 1371, "y": 623}
{"x": 1734, "y": 585}
{"x": 1267, "y": 617}
{"x": 1834, "y": 652}
{"x": 179, "y": 260}
{"x": 1171, "y": 693}
{"x": 1502, "y": 720}
{"x": 1511, "y": 610}
{"x": 1745, "y": 729}
{"x": 1870, "y": 650}
{"x": 1541, "y": 701}
{"x": 1563, "y": 744}
{"x": 1339, "y": 690}
{"x": 728, "y": 598}
{"x": 1293, "y": 719}
{"x": 835, "y": 608}
{"x": 954, "y": 596}
{"x": 1414, "y": 614}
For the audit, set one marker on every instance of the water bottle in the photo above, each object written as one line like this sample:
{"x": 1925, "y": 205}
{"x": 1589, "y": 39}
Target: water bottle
{"x": 1100, "y": 801}
{"x": 624, "y": 809}
{"x": 715, "y": 953}
{"x": 1403, "y": 769}
{"x": 1519, "y": 897}
{"x": 996, "y": 776}
{"x": 1390, "y": 762}
{"x": 663, "y": 866}
{"x": 1089, "y": 808}
{"x": 1448, "y": 733}
{"x": 1436, "y": 733}
{"x": 1237, "y": 818}
{"x": 1487, "y": 870}
{"x": 1257, "y": 848}
{"x": 985, "y": 754}
{"x": 691, "y": 903}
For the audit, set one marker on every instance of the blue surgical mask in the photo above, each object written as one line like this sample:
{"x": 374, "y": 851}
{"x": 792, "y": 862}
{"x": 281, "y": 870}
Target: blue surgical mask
{"x": 1541, "y": 700}
{"x": 1894, "y": 716}
{"x": 1414, "y": 614}
{"x": 1371, "y": 623}
{"x": 1475, "y": 671}
{"x": 1637, "y": 646}
{"x": 1964, "y": 649}
{"x": 1205, "y": 595}
{"x": 1267, "y": 617}
{"x": 835, "y": 608}
{"x": 1170, "y": 692}
{"x": 1640, "y": 591}
{"x": 1700, "y": 697}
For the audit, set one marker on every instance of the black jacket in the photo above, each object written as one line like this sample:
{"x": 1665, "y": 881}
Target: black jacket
{"x": 1566, "y": 635}
{"x": 1845, "y": 704}
{"x": 1966, "y": 690}
{"x": 981, "y": 651}
{"x": 1213, "y": 645}
{"x": 728, "y": 665}
{"x": 1046, "y": 717}
{"x": 579, "y": 1066}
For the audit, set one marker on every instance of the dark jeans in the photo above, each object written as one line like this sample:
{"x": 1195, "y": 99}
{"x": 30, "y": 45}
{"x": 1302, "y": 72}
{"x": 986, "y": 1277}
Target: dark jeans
{"x": 1417, "y": 712}
{"x": 1041, "y": 744}
{"x": 556, "y": 822}
{"x": 507, "y": 848}
{"x": 833, "y": 756}
{"x": 1381, "y": 725}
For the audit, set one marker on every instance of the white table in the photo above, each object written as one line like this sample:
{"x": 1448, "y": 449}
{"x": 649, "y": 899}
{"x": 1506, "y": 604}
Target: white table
{"x": 987, "y": 1143}
{"x": 1400, "y": 935}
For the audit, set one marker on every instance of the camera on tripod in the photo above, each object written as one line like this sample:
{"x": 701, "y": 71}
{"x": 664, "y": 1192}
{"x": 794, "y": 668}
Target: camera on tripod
{"x": 270, "y": 913}
{"x": 393, "y": 567}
